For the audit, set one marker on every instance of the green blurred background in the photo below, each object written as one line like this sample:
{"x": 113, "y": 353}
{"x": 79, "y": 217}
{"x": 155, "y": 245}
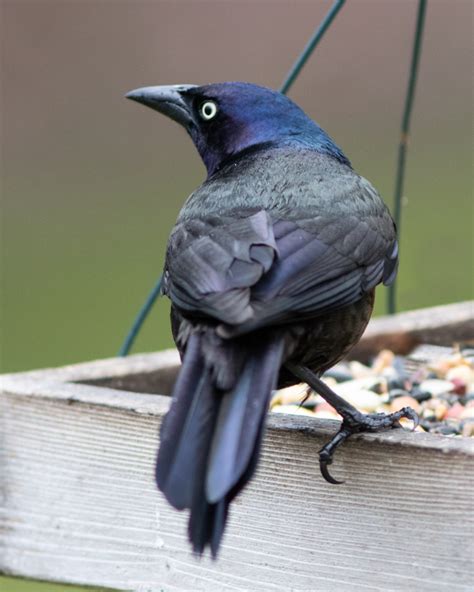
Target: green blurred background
{"x": 92, "y": 183}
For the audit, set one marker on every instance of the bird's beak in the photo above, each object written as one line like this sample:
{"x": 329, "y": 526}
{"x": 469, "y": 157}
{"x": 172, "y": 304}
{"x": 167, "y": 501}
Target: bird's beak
{"x": 165, "y": 99}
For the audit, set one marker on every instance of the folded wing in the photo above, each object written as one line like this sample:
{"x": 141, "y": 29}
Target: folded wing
{"x": 258, "y": 270}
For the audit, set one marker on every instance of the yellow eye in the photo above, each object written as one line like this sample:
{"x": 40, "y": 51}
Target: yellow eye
{"x": 208, "y": 110}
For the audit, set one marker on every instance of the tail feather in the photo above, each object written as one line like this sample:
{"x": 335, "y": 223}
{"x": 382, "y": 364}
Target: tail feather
{"x": 211, "y": 438}
{"x": 192, "y": 447}
{"x": 207, "y": 524}
{"x": 239, "y": 419}
{"x": 207, "y": 521}
{"x": 185, "y": 386}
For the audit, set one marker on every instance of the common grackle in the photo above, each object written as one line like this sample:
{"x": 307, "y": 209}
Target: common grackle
{"x": 271, "y": 270}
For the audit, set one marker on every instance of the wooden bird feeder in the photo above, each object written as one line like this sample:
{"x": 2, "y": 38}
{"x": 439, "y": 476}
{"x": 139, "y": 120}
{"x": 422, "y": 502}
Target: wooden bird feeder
{"x": 79, "y": 504}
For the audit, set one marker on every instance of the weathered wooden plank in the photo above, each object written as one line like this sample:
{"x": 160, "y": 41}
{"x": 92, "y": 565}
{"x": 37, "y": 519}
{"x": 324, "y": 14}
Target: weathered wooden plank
{"x": 79, "y": 504}
{"x": 147, "y": 373}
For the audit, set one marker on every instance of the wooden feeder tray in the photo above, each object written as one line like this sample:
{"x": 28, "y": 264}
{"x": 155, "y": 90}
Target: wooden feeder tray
{"x": 79, "y": 504}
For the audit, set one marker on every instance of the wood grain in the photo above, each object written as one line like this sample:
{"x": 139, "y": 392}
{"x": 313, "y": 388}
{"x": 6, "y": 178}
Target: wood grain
{"x": 79, "y": 505}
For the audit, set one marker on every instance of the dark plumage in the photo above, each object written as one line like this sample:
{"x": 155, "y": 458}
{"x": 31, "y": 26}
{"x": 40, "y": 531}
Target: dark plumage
{"x": 271, "y": 270}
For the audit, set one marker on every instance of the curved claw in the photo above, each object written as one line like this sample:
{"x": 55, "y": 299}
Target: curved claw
{"x": 326, "y": 452}
{"x": 412, "y": 415}
{"x": 323, "y": 465}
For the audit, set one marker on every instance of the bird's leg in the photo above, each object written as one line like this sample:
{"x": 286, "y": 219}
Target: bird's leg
{"x": 353, "y": 421}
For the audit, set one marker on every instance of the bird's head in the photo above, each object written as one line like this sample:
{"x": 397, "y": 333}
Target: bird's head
{"x": 224, "y": 119}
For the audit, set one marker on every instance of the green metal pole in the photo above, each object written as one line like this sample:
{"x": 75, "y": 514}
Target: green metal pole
{"x": 311, "y": 46}
{"x": 140, "y": 318}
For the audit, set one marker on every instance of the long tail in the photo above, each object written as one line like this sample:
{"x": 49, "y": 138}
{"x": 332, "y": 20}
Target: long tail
{"x": 210, "y": 438}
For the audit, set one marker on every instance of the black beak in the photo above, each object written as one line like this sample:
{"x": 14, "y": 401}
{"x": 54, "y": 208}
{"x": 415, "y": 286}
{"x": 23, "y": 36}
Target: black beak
{"x": 165, "y": 99}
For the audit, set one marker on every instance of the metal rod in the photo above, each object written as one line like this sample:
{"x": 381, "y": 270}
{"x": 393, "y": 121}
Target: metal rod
{"x": 291, "y": 77}
{"x": 311, "y": 46}
{"x": 405, "y": 129}
{"x": 140, "y": 318}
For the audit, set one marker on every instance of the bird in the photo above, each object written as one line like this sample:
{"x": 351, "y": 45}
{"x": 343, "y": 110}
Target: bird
{"x": 271, "y": 271}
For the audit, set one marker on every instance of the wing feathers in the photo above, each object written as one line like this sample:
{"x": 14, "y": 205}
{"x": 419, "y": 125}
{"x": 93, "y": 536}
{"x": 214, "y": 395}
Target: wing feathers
{"x": 251, "y": 271}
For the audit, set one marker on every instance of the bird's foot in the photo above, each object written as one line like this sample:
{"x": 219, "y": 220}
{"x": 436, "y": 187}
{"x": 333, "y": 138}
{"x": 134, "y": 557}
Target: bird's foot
{"x": 355, "y": 422}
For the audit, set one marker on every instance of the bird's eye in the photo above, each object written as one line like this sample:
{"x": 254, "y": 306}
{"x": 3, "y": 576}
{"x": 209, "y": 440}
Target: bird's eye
{"x": 208, "y": 110}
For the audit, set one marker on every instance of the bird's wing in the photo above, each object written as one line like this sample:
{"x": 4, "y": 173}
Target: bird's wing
{"x": 260, "y": 270}
{"x": 314, "y": 273}
{"x": 212, "y": 264}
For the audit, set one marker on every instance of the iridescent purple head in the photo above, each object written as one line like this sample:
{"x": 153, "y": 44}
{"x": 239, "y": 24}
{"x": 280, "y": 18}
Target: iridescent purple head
{"x": 226, "y": 118}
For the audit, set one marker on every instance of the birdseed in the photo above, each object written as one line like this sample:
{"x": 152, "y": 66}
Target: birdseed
{"x": 437, "y": 382}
